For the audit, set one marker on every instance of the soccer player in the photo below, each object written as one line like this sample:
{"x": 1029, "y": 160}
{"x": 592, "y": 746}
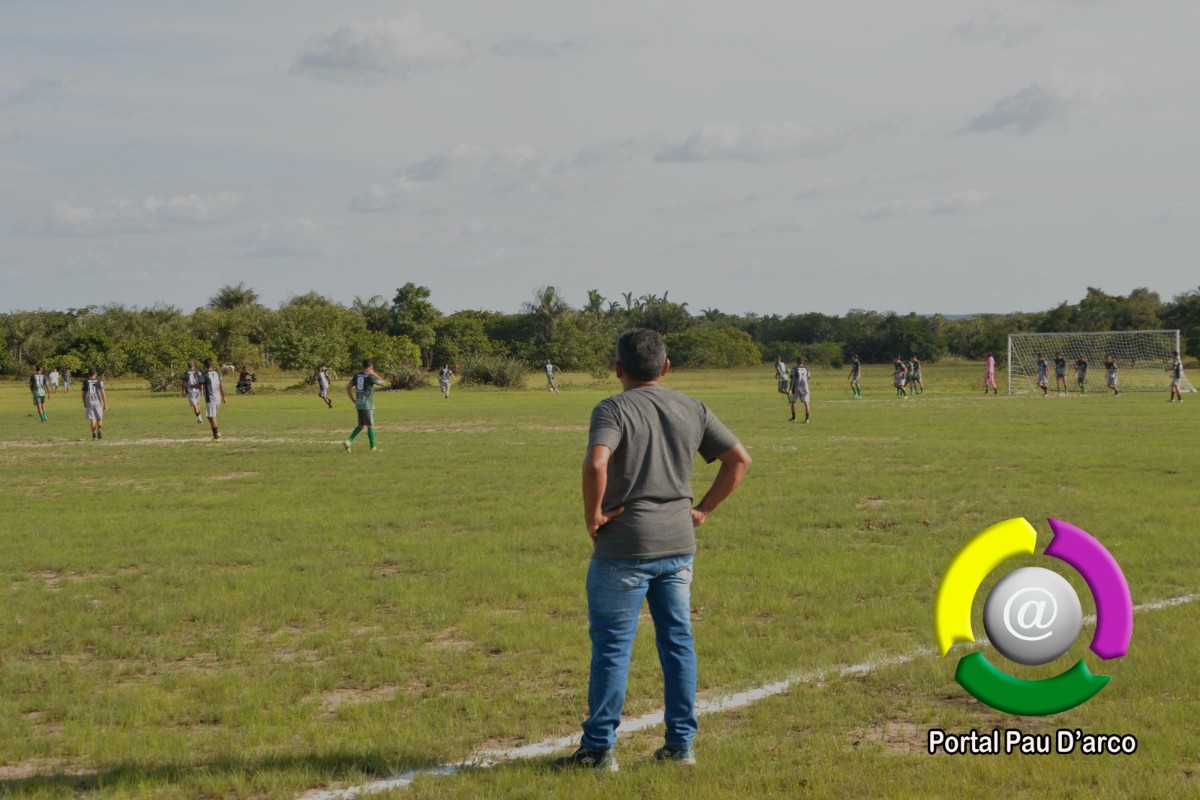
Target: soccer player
{"x": 989, "y": 378}
{"x": 66, "y": 380}
{"x": 361, "y": 389}
{"x": 54, "y": 376}
{"x": 781, "y": 376}
{"x": 899, "y": 373}
{"x": 37, "y": 386}
{"x": 1176, "y": 370}
{"x": 551, "y": 381}
{"x": 1081, "y": 370}
{"x": 323, "y": 385}
{"x": 1043, "y": 375}
{"x": 798, "y": 389}
{"x": 214, "y": 396}
{"x": 1060, "y": 374}
{"x": 444, "y": 377}
{"x": 1110, "y": 368}
{"x": 95, "y": 402}
{"x": 855, "y": 369}
{"x": 913, "y": 378}
{"x": 637, "y": 506}
{"x": 193, "y": 384}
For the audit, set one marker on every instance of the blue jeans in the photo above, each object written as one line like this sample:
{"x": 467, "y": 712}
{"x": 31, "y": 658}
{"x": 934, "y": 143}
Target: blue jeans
{"x": 615, "y": 590}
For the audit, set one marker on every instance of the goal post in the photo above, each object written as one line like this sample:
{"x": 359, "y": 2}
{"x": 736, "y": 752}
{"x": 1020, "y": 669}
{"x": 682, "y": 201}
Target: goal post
{"x": 1142, "y": 358}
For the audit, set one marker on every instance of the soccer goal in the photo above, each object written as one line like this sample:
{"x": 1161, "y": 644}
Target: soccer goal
{"x": 1142, "y": 358}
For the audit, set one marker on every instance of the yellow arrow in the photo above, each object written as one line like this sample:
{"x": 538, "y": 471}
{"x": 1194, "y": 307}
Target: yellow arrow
{"x": 978, "y": 557}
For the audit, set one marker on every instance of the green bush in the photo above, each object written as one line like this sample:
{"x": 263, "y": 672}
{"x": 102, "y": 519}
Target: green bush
{"x": 408, "y": 376}
{"x": 705, "y": 345}
{"x": 495, "y": 370}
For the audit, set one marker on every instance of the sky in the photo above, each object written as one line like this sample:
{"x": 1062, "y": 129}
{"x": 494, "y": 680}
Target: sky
{"x": 774, "y": 157}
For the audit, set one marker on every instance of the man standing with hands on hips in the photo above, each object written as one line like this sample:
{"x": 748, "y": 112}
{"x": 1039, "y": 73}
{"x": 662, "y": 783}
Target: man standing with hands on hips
{"x": 637, "y": 506}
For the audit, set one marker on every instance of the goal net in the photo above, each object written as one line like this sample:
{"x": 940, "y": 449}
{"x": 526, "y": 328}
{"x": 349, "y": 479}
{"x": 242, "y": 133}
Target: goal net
{"x": 1142, "y": 358}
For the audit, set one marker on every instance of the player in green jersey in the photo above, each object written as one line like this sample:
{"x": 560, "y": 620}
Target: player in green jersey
{"x": 914, "y": 376}
{"x": 1060, "y": 374}
{"x": 361, "y": 390}
{"x": 855, "y": 370}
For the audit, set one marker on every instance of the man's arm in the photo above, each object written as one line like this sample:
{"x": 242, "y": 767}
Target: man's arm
{"x": 734, "y": 463}
{"x": 350, "y": 389}
{"x": 103, "y": 399}
{"x": 595, "y": 481}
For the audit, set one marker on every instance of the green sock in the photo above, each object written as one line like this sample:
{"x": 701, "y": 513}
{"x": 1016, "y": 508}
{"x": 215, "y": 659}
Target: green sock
{"x": 355, "y": 432}
{"x": 371, "y": 437}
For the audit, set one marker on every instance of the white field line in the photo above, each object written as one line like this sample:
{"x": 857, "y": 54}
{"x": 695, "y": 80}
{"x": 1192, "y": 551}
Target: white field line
{"x": 205, "y": 439}
{"x": 483, "y": 759}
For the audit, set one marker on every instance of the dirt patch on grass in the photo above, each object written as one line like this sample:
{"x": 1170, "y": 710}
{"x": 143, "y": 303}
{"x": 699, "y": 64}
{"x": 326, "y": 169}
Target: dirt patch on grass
{"x": 870, "y": 502}
{"x": 898, "y": 738}
{"x": 450, "y": 639}
{"x": 229, "y": 476}
{"x": 334, "y": 699}
{"x": 43, "y": 767}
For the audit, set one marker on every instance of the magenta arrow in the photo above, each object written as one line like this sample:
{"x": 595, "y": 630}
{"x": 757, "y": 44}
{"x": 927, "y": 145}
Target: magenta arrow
{"x": 1114, "y": 605}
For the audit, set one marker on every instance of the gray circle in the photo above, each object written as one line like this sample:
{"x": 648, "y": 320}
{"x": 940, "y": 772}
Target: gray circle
{"x": 1032, "y": 615}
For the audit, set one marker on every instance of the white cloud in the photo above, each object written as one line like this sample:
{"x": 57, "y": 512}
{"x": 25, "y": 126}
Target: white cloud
{"x": 989, "y": 26}
{"x": 957, "y": 203}
{"x": 33, "y": 88}
{"x": 380, "y": 50}
{"x": 782, "y": 141}
{"x": 292, "y": 238}
{"x": 1181, "y": 211}
{"x": 1057, "y": 99}
{"x": 506, "y": 169}
{"x": 525, "y": 46}
{"x": 758, "y": 229}
{"x": 148, "y": 215}
{"x": 473, "y": 230}
{"x": 614, "y": 151}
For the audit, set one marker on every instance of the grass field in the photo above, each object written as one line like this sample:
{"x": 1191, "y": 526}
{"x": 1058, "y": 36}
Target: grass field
{"x": 269, "y": 615}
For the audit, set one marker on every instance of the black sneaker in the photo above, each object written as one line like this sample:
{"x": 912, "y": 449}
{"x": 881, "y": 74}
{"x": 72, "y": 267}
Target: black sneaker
{"x": 99, "y": 433}
{"x": 588, "y": 759}
{"x": 685, "y": 756}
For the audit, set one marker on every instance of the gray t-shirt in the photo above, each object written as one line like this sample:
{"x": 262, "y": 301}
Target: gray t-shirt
{"x": 654, "y": 434}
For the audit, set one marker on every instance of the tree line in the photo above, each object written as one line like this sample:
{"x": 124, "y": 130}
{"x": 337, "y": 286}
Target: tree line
{"x": 409, "y": 334}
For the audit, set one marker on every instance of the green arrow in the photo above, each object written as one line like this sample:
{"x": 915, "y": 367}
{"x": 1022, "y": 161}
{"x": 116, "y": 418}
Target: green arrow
{"x": 1041, "y": 698}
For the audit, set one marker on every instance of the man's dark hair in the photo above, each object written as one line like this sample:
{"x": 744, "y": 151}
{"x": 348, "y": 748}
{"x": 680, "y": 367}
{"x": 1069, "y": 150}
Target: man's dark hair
{"x": 642, "y": 353}
{"x": 367, "y": 363}
{"x": 91, "y": 372}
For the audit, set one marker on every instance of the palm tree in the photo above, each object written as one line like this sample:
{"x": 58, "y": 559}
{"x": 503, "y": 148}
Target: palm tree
{"x": 595, "y": 303}
{"x": 376, "y": 311}
{"x": 230, "y": 297}
{"x": 548, "y": 309}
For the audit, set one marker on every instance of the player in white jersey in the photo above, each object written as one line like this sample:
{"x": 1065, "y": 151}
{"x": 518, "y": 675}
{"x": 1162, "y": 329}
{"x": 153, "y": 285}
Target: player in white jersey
{"x": 444, "y": 376}
{"x": 781, "y": 376}
{"x": 551, "y": 381}
{"x": 798, "y": 389}
{"x": 95, "y": 402}
{"x": 1110, "y": 369}
{"x": 899, "y": 376}
{"x": 214, "y": 396}
{"x": 54, "y": 376}
{"x": 323, "y": 385}
{"x": 1176, "y": 372}
{"x": 1043, "y": 375}
{"x": 37, "y": 387}
{"x": 193, "y": 384}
